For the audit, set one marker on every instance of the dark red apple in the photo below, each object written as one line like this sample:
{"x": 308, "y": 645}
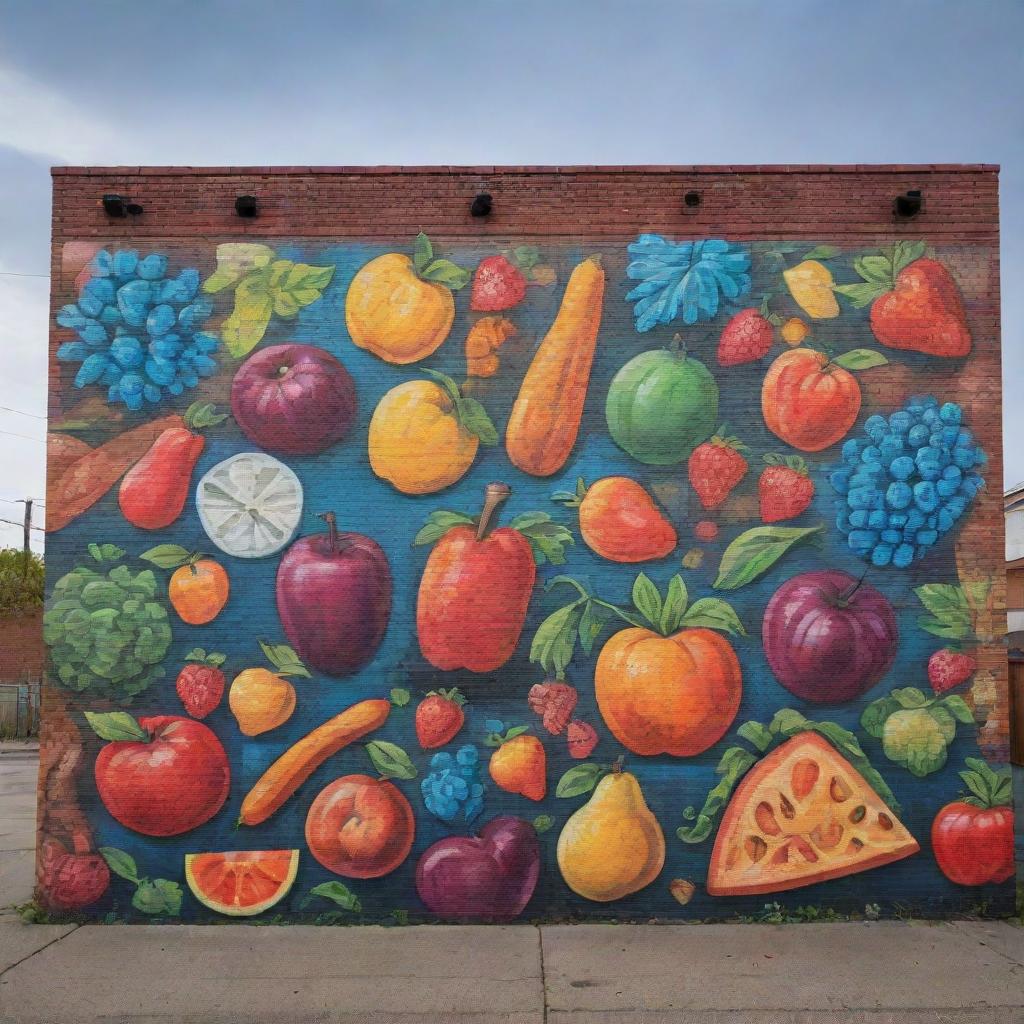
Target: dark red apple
{"x": 171, "y": 780}
{"x": 334, "y": 599}
{"x": 829, "y": 637}
{"x": 294, "y": 399}
{"x": 487, "y": 878}
{"x": 71, "y": 880}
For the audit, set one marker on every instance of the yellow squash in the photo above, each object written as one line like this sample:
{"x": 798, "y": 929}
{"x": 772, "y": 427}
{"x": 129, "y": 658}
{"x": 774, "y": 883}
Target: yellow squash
{"x": 546, "y": 415}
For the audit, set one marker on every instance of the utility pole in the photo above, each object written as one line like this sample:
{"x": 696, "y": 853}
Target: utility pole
{"x": 28, "y": 533}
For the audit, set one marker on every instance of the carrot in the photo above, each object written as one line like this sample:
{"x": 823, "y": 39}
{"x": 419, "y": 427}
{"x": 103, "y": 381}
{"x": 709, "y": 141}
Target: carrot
{"x": 546, "y": 415}
{"x": 301, "y": 759}
{"x": 89, "y": 477}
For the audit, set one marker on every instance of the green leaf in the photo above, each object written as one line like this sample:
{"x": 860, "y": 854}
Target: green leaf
{"x": 937, "y": 627}
{"x": 338, "y": 892}
{"x": 592, "y": 621}
{"x": 945, "y": 721}
{"x": 647, "y": 600}
{"x": 676, "y": 600}
{"x": 756, "y": 734}
{"x": 285, "y": 660}
{"x": 115, "y": 725}
{"x": 579, "y": 779}
{"x": 106, "y": 552}
{"x": 714, "y": 613}
{"x": 874, "y": 716}
{"x": 400, "y": 697}
{"x": 842, "y": 739}
{"x": 473, "y": 416}
{"x": 547, "y": 539}
{"x": 754, "y": 552}
{"x": 860, "y": 295}
{"x": 422, "y": 254}
{"x": 542, "y": 823}
{"x": 735, "y": 763}
{"x": 167, "y": 556}
{"x": 447, "y": 273}
{"x": 787, "y": 722}
{"x": 243, "y": 330}
{"x": 158, "y": 897}
{"x": 234, "y": 261}
{"x": 439, "y": 523}
{"x": 909, "y": 697}
{"x": 822, "y": 252}
{"x": 390, "y": 760}
{"x": 299, "y": 285}
{"x": 526, "y": 256}
{"x": 905, "y": 253}
{"x": 944, "y": 601}
{"x": 121, "y": 863}
{"x": 203, "y": 414}
{"x": 875, "y": 270}
{"x": 555, "y": 640}
{"x": 860, "y": 359}
{"x": 959, "y": 709}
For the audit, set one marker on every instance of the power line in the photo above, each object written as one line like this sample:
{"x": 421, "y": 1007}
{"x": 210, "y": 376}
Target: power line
{"x": 11, "y": 522}
{"x": 24, "y": 437}
{"x": 20, "y": 412}
{"x": 10, "y": 273}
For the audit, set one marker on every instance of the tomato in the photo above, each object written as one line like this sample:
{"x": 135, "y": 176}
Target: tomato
{"x": 974, "y": 845}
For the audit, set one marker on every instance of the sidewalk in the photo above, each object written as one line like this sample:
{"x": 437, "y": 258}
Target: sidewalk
{"x": 858, "y": 973}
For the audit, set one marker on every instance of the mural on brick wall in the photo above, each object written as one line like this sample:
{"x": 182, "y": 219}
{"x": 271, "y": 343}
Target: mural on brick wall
{"x": 477, "y": 582}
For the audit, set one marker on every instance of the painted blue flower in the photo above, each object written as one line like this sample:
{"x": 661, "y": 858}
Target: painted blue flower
{"x": 684, "y": 279}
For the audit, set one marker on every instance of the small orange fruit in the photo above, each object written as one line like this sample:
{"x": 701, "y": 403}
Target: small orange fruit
{"x": 794, "y": 330}
{"x": 260, "y": 700}
{"x": 519, "y": 765}
{"x": 198, "y": 591}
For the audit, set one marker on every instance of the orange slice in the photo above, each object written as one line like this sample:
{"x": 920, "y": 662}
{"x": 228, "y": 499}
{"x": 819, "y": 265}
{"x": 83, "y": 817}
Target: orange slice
{"x": 803, "y": 815}
{"x": 241, "y": 883}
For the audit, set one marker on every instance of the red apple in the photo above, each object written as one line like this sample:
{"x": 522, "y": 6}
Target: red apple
{"x": 360, "y": 827}
{"x": 170, "y": 780}
{"x": 487, "y": 878}
{"x": 71, "y": 880}
{"x": 334, "y": 599}
{"x": 294, "y": 399}
{"x": 829, "y": 637}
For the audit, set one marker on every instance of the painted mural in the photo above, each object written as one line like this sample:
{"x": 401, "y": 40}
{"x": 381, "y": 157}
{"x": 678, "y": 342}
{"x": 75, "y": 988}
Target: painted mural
{"x": 461, "y": 581}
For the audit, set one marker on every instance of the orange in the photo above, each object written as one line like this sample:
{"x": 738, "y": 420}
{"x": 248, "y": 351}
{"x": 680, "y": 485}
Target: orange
{"x": 519, "y": 766}
{"x": 668, "y": 695}
{"x": 199, "y": 591}
{"x": 620, "y": 521}
{"x": 241, "y": 883}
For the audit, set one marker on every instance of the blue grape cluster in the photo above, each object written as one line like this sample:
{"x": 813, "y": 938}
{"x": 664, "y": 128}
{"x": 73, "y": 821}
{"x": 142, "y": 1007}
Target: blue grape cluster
{"x": 139, "y": 330}
{"x": 907, "y": 481}
{"x": 454, "y": 785}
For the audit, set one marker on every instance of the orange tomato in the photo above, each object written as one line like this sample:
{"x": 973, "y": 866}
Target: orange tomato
{"x": 520, "y": 766}
{"x": 668, "y": 695}
{"x": 199, "y": 591}
{"x": 620, "y": 521}
{"x": 808, "y": 401}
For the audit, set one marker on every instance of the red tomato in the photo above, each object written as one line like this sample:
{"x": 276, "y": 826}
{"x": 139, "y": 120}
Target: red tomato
{"x": 974, "y": 845}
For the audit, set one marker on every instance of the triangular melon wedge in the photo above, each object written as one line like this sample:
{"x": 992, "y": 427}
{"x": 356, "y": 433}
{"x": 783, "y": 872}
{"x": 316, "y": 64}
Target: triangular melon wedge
{"x": 802, "y": 815}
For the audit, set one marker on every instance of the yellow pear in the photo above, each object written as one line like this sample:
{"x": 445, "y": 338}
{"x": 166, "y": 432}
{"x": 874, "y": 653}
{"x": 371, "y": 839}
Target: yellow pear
{"x": 260, "y": 700}
{"x": 612, "y": 846}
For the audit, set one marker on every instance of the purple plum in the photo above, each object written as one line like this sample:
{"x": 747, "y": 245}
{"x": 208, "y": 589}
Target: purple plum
{"x": 334, "y": 599}
{"x": 829, "y": 637}
{"x": 490, "y": 877}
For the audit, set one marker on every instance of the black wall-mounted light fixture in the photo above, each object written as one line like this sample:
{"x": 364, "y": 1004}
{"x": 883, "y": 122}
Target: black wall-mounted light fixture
{"x": 908, "y": 204}
{"x": 117, "y": 206}
{"x": 482, "y": 205}
{"x": 692, "y": 198}
{"x": 246, "y": 206}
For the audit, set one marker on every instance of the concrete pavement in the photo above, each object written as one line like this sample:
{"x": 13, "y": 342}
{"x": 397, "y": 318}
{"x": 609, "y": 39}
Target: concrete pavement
{"x": 857, "y": 973}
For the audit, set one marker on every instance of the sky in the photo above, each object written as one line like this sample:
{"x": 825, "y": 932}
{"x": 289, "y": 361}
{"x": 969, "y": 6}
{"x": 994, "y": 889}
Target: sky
{"x": 528, "y": 82}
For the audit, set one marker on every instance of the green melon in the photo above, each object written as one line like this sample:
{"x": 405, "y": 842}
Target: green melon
{"x": 661, "y": 405}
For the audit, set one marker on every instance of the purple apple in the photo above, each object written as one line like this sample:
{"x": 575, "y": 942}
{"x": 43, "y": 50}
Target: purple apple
{"x": 829, "y": 637}
{"x": 491, "y": 877}
{"x": 334, "y": 599}
{"x": 293, "y": 399}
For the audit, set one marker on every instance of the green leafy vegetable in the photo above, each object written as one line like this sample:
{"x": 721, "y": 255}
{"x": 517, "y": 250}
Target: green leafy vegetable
{"x": 755, "y": 551}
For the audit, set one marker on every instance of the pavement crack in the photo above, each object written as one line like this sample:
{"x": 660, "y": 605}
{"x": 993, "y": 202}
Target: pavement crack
{"x": 34, "y": 952}
{"x": 543, "y": 975}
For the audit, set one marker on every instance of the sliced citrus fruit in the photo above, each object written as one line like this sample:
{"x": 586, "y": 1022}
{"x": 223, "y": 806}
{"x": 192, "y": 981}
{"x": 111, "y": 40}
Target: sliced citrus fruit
{"x": 803, "y": 815}
{"x": 243, "y": 882}
{"x": 250, "y": 505}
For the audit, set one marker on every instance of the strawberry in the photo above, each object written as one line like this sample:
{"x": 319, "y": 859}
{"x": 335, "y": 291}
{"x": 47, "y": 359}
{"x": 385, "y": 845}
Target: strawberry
{"x": 716, "y": 467}
{"x": 915, "y": 303}
{"x": 582, "y": 739}
{"x": 747, "y": 336}
{"x": 555, "y": 702}
{"x": 439, "y": 717}
{"x": 200, "y": 685}
{"x": 785, "y": 489}
{"x": 948, "y": 668}
{"x": 497, "y": 284}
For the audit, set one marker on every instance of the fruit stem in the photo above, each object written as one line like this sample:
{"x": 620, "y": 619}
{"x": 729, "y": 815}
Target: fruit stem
{"x": 493, "y": 497}
{"x": 617, "y": 765}
{"x": 678, "y": 346}
{"x": 844, "y": 599}
{"x": 332, "y": 530}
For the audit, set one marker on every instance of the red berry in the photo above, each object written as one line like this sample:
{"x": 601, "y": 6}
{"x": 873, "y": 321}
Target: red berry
{"x": 497, "y": 284}
{"x": 439, "y": 717}
{"x": 948, "y": 668}
{"x": 746, "y": 337}
{"x": 705, "y": 530}
{"x": 582, "y": 739}
{"x": 784, "y": 490}
{"x": 715, "y": 468}
{"x": 555, "y": 702}
{"x": 200, "y": 688}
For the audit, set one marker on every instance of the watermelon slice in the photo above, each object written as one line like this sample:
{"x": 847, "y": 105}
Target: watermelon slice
{"x": 802, "y": 815}
{"x": 241, "y": 883}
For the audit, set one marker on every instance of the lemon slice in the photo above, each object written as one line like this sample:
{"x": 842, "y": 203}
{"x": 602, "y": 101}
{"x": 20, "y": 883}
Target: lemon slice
{"x": 250, "y": 505}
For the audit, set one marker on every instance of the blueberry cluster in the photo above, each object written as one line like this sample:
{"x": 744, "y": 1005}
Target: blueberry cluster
{"x": 454, "y": 785}
{"x": 139, "y": 330}
{"x": 907, "y": 481}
